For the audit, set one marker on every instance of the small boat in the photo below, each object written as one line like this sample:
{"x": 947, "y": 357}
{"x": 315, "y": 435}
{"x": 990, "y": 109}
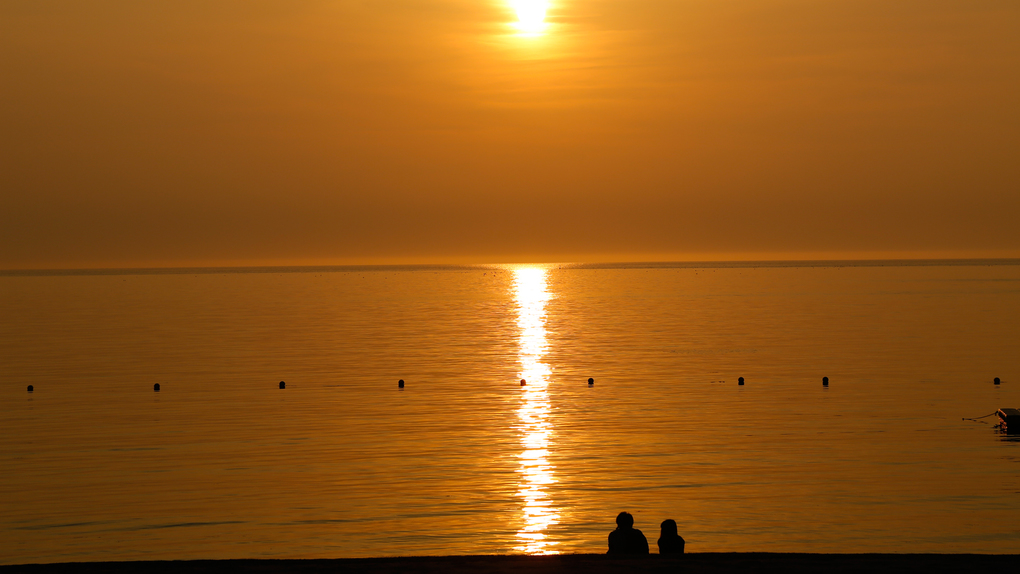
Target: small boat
{"x": 1009, "y": 420}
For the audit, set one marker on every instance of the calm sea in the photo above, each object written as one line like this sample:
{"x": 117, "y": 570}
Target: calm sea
{"x": 222, "y": 463}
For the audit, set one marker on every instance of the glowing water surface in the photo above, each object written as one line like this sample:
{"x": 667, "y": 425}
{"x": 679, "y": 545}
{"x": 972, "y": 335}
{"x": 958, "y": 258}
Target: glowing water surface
{"x": 221, "y": 463}
{"x": 531, "y": 294}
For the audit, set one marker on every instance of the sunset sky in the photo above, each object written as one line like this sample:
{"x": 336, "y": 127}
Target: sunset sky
{"x": 248, "y": 132}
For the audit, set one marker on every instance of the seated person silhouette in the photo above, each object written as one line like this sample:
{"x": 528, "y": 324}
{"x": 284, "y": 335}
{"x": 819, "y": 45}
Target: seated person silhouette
{"x": 627, "y": 540}
{"x": 669, "y": 541}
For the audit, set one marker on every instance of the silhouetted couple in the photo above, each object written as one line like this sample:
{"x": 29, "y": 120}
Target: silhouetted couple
{"x": 627, "y": 540}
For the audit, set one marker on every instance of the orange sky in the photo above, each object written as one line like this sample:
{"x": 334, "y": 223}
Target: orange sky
{"x": 210, "y": 132}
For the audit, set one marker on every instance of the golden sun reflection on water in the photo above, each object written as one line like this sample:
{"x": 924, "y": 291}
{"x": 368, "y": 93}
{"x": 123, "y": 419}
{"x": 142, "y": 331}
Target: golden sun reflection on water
{"x": 531, "y": 294}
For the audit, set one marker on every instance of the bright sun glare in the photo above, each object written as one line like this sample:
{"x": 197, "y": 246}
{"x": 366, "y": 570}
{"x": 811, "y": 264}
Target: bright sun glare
{"x": 530, "y": 14}
{"x": 531, "y": 292}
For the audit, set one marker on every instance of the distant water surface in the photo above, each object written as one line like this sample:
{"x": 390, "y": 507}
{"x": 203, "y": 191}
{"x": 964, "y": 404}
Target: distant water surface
{"x": 221, "y": 463}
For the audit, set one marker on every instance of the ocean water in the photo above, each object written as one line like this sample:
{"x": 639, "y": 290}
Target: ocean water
{"x": 221, "y": 463}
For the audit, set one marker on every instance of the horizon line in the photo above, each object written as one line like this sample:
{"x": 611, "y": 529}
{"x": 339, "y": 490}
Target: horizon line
{"x": 721, "y": 264}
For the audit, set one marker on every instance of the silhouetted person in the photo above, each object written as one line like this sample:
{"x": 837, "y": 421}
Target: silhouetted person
{"x": 627, "y": 540}
{"x": 669, "y": 541}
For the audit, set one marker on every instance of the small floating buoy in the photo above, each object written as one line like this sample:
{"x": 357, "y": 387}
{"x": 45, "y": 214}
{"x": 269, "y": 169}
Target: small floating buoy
{"x": 825, "y": 381}
{"x": 283, "y": 385}
{"x": 997, "y": 381}
{"x": 591, "y": 381}
{"x": 400, "y": 384}
{"x": 30, "y": 388}
{"x": 155, "y": 387}
{"x": 740, "y": 381}
{"x": 523, "y": 382}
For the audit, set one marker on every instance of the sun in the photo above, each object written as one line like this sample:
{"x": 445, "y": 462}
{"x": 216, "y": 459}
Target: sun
{"x": 530, "y": 14}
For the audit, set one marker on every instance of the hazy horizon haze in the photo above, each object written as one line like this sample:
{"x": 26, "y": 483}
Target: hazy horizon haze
{"x": 264, "y": 132}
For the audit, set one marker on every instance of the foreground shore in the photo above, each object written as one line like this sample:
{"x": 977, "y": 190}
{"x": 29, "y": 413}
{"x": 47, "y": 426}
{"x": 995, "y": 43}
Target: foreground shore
{"x": 572, "y": 563}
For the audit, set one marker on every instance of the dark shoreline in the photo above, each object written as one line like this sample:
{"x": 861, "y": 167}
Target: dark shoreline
{"x": 695, "y": 563}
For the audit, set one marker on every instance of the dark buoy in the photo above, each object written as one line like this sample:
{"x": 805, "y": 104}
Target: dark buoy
{"x": 591, "y": 382}
{"x": 825, "y": 381}
{"x": 400, "y": 384}
{"x": 997, "y": 381}
{"x": 283, "y": 385}
{"x": 740, "y": 381}
{"x": 31, "y": 388}
{"x": 155, "y": 387}
{"x": 523, "y": 382}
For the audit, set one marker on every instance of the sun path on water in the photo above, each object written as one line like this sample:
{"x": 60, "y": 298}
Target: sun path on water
{"x": 539, "y": 511}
